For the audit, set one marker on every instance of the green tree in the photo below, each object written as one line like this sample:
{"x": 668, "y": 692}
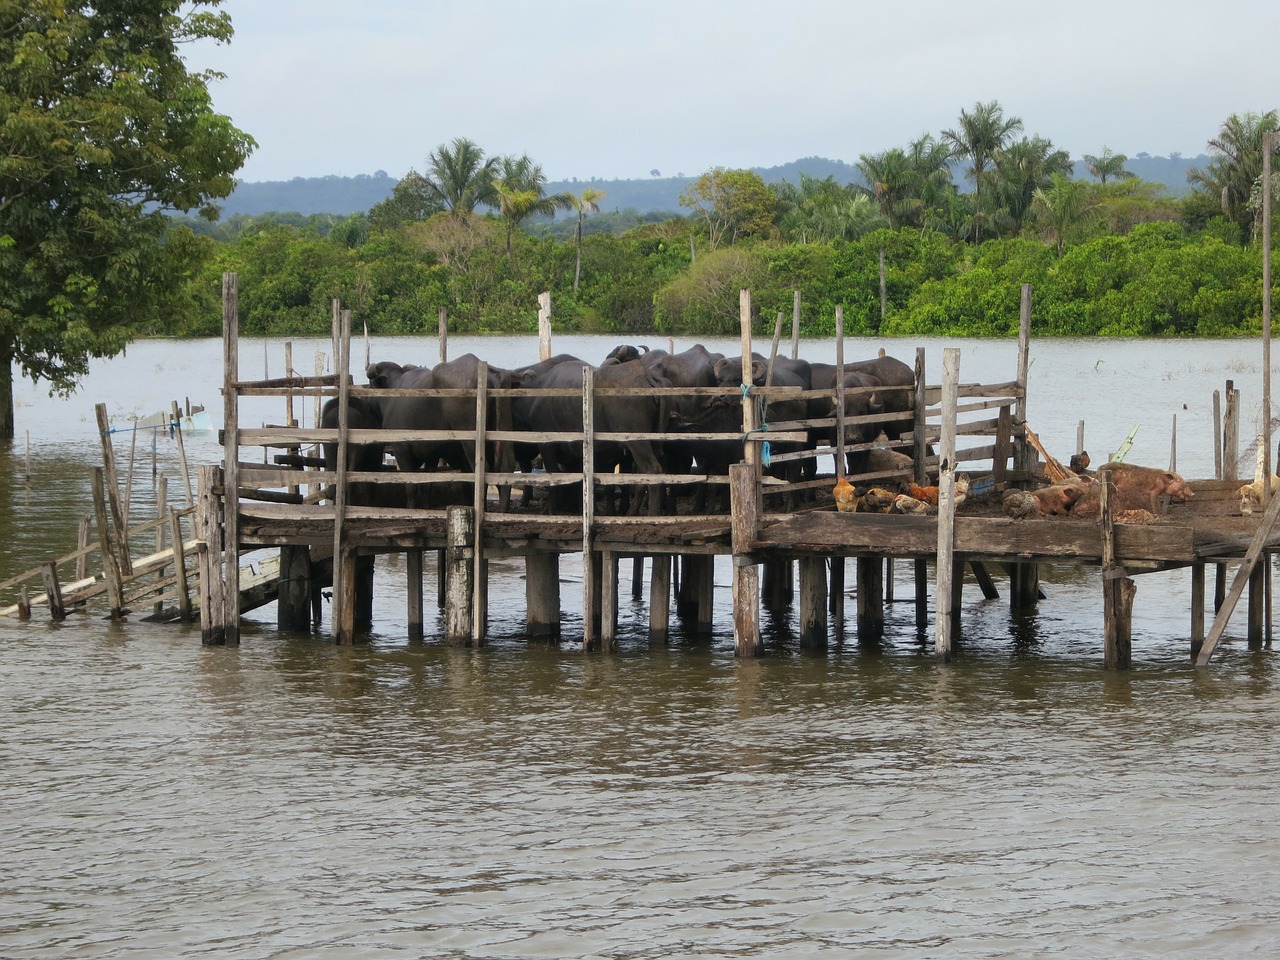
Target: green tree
{"x": 411, "y": 199}
{"x": 1235, "y": 166}
{"x": 104, "y": 131}
{"x": 587, "y": 202}
{"x": 1022, "y": 168}
{"x": 1062, "y": 208}
{"x": 980, "y": 135}
{"x": 459, "y": 178}
{"x": 519, "y": 192}
{"x": 733, "y": 204}
{"x": 1107, "y": 165}
{"x": 894, "y": 182}
{"x": 819, "y": 211}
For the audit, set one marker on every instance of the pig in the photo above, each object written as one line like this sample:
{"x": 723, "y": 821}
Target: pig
{"x": 1133, "y": 488}
{"x": 1059, "y": 498}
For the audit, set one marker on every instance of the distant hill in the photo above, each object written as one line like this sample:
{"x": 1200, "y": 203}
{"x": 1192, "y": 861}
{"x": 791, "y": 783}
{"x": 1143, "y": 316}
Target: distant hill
{"x": 347, "y": 195}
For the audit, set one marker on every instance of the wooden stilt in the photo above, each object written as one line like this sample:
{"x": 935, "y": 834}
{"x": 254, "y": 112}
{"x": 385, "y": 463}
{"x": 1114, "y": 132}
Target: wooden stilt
{"x": 608, "y": 599}
{"x": 1117, "y": 590}
{"x": 660, "y": 598}
{"x": 1257, "y": 606}
{"x": 813, "y": 603}
{"x": 983, "y": 577}
{"x": 590, "y": 590}
{"x": 362, "y": 613}
{"x": 480, "y": 491}
{"x": 888, "y": 579}
{"x": 209, "y": 562}
{"x": 231, "y": 455}
{"x": 637, "y": 575}
{"x": 110, "y": 567}
{"x": 957, "y": 594}
{"x": 344, "y": 590}
{"x": 1197, "y": 608}
{"x": 945, "y": 569}
{"x": 745, "y": 524}
{"x": 458, "y": 573}
{"x": 293, "y": 603}
{"x": 778, "y": 587}
{"x": 836, "y": 597}
{"x": 413, "y": 589}
{"x": 921, "y": 570}
{"x": 706, "y": 596}
{"x": 870, "y": 592}
{"x": 1024, "y": 585}
{"x": 542, "y": 595}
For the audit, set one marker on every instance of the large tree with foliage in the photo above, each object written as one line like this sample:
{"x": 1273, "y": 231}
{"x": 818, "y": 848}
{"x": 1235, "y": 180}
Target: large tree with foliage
{"x": 980, "y": 135}
{"x": 733, "y": 204}
{"x": 1235, "y": 166}
{"x": 104, "y": 130}
{"x": 519, "y": 192}
{"x": 459, "y": 177}
{"x": 1107, "y": 165}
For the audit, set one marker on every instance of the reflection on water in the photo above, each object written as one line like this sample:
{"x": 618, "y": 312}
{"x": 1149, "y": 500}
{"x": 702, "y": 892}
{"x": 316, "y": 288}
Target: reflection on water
{"x": 293, "y": 799}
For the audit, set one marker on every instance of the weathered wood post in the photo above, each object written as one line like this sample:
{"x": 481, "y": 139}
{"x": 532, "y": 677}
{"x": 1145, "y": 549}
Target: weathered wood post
{"x": 231, "y": 456}
{"x": 344, "y": 567}
{"x": 608, "y": 599}
{"x": 795, "y": 324}
{"x": 1231, "y": 435}
{"x": 293, "y": 606}
{"x": 442, "y": 335}
{"x": 480, "y": 492}
{"x": 920, "y": 442}
{"x": 180, "y": 566}
{"x": 813, "y": 603}
{"x": 660, "y": 598}
{"x": 460, "y": 593}
{"x": 111, "y": 478}
{"x": 945, "y": 567}
{"x": 1197, "y": 607}
{"x": 1117, "y": 589}
{"x": 870, "y": 598}
{"x": 544, "y": 326}
{"x": 1268, "y": 146}
{"x": 213, "y": 610}
{"x": 840, "y": 427}
{"x": 110, "y": 566}
{"x": 413, "y": 589}
{"x": 745, "y": 521}
{"x": 53, "y": 590}
{"x": 590, "y": 612}
{"x": 542, "y": 594}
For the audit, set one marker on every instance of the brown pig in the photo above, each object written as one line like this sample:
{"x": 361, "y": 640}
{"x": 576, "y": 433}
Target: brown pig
{"x": 1133, "y": 488}
{"x": 1058, "y": 498}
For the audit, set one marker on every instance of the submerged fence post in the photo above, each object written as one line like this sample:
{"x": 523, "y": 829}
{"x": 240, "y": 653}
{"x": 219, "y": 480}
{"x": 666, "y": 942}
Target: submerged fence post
{"x": 945, "y": 570}
{"x": 745, "y": 521}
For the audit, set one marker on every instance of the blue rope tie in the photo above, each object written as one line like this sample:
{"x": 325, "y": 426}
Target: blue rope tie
{"x": 766, "y": 452}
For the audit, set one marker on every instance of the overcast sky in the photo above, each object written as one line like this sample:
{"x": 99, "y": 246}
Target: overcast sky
{"x": 616, "y": 89}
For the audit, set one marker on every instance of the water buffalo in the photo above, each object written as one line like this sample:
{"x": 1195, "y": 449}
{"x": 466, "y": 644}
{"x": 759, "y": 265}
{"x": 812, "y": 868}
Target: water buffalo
{"x": 860, "y": 400}
{"x": 362, "y": 414}
{"x": 562, "y": 414}
{"x": 899, "y": 394}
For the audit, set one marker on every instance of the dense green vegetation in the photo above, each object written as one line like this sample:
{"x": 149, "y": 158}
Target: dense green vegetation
{"x": 1112, "y": 256}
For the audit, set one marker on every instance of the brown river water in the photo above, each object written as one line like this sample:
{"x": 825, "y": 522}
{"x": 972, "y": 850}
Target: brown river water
{"x": 290, "y": 799}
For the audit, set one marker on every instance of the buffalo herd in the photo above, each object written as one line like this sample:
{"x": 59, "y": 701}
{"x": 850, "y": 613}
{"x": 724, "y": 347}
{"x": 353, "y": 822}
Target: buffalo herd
{"x": 879, "y": 400}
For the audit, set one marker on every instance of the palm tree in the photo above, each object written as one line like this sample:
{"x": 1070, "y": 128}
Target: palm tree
{"x": 1023, "y": 168}
{"x": 981, "y": 134}
{"x": 819, "y": 211}
{"x": 1062, "y": 208}
{"x": 589, "y": 202}
{"x": 1236, "y": 165}
{"x": 1107, "y": 165}
{"x": 459, "y": 177}
{"x": 894, "y": 182}
{"x": 518, "y": 192}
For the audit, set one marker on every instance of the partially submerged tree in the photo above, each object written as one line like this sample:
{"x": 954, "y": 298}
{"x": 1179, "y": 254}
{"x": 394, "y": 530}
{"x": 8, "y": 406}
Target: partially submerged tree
{"x": 104, "y": 131}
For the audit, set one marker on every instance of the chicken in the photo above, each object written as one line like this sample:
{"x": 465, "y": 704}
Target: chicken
{"x": 905, "y": 503}
{"x": 846, "y": 500}
{"x": 1020, "y": 504}
{"x": 927, "y": 494}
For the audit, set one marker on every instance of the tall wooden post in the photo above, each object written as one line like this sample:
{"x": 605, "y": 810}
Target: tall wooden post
{"x": 870, "y": 598}
{"x": 344, "y": 587}
{"x": 1197, "y": 607}
{"x": 590, "y": 612}
{"x": 413, "y": 589}
{"x": 111, "y": 477}
{"x": 293, "y": 606}
{"x": 53, "y": 590}
{"x": 231, "y": 450}
{"x": 480, "y": 495}
{"x": 840, "y": 437}
{"x": 1231, "y": 434}
{"x": 945, "y": 569}
{"x": 442, "y": 335}
{"x": 1026, "y": 454}
{"x": 213, "y": 610}
{"x": 745, "y": 520}
{"x": 920, "y": 445}
{"x": 1268, "y": 146}
{"x": 795, "y": 324}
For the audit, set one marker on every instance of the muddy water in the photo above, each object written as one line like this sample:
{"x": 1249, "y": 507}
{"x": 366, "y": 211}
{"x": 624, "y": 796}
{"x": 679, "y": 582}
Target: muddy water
{"x": 290, "y": 799}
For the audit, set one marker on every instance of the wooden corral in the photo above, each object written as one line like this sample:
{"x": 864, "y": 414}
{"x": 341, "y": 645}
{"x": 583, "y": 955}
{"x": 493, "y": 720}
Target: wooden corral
{"x": 298, "y": 507}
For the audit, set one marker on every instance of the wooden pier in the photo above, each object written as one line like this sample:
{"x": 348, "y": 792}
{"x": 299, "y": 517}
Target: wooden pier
{"x": 957, "y": 427}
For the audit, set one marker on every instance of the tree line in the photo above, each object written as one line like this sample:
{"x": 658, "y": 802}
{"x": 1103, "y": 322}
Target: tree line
{"x": 1111, "y": 255}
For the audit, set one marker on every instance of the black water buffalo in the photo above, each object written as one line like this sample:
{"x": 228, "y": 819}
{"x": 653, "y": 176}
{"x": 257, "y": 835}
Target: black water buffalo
{"x": 898, "y": 395}
{"x": 860, "y": 400}
{"x": 362, "y": 414}
{"x": 563, "y": 414}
